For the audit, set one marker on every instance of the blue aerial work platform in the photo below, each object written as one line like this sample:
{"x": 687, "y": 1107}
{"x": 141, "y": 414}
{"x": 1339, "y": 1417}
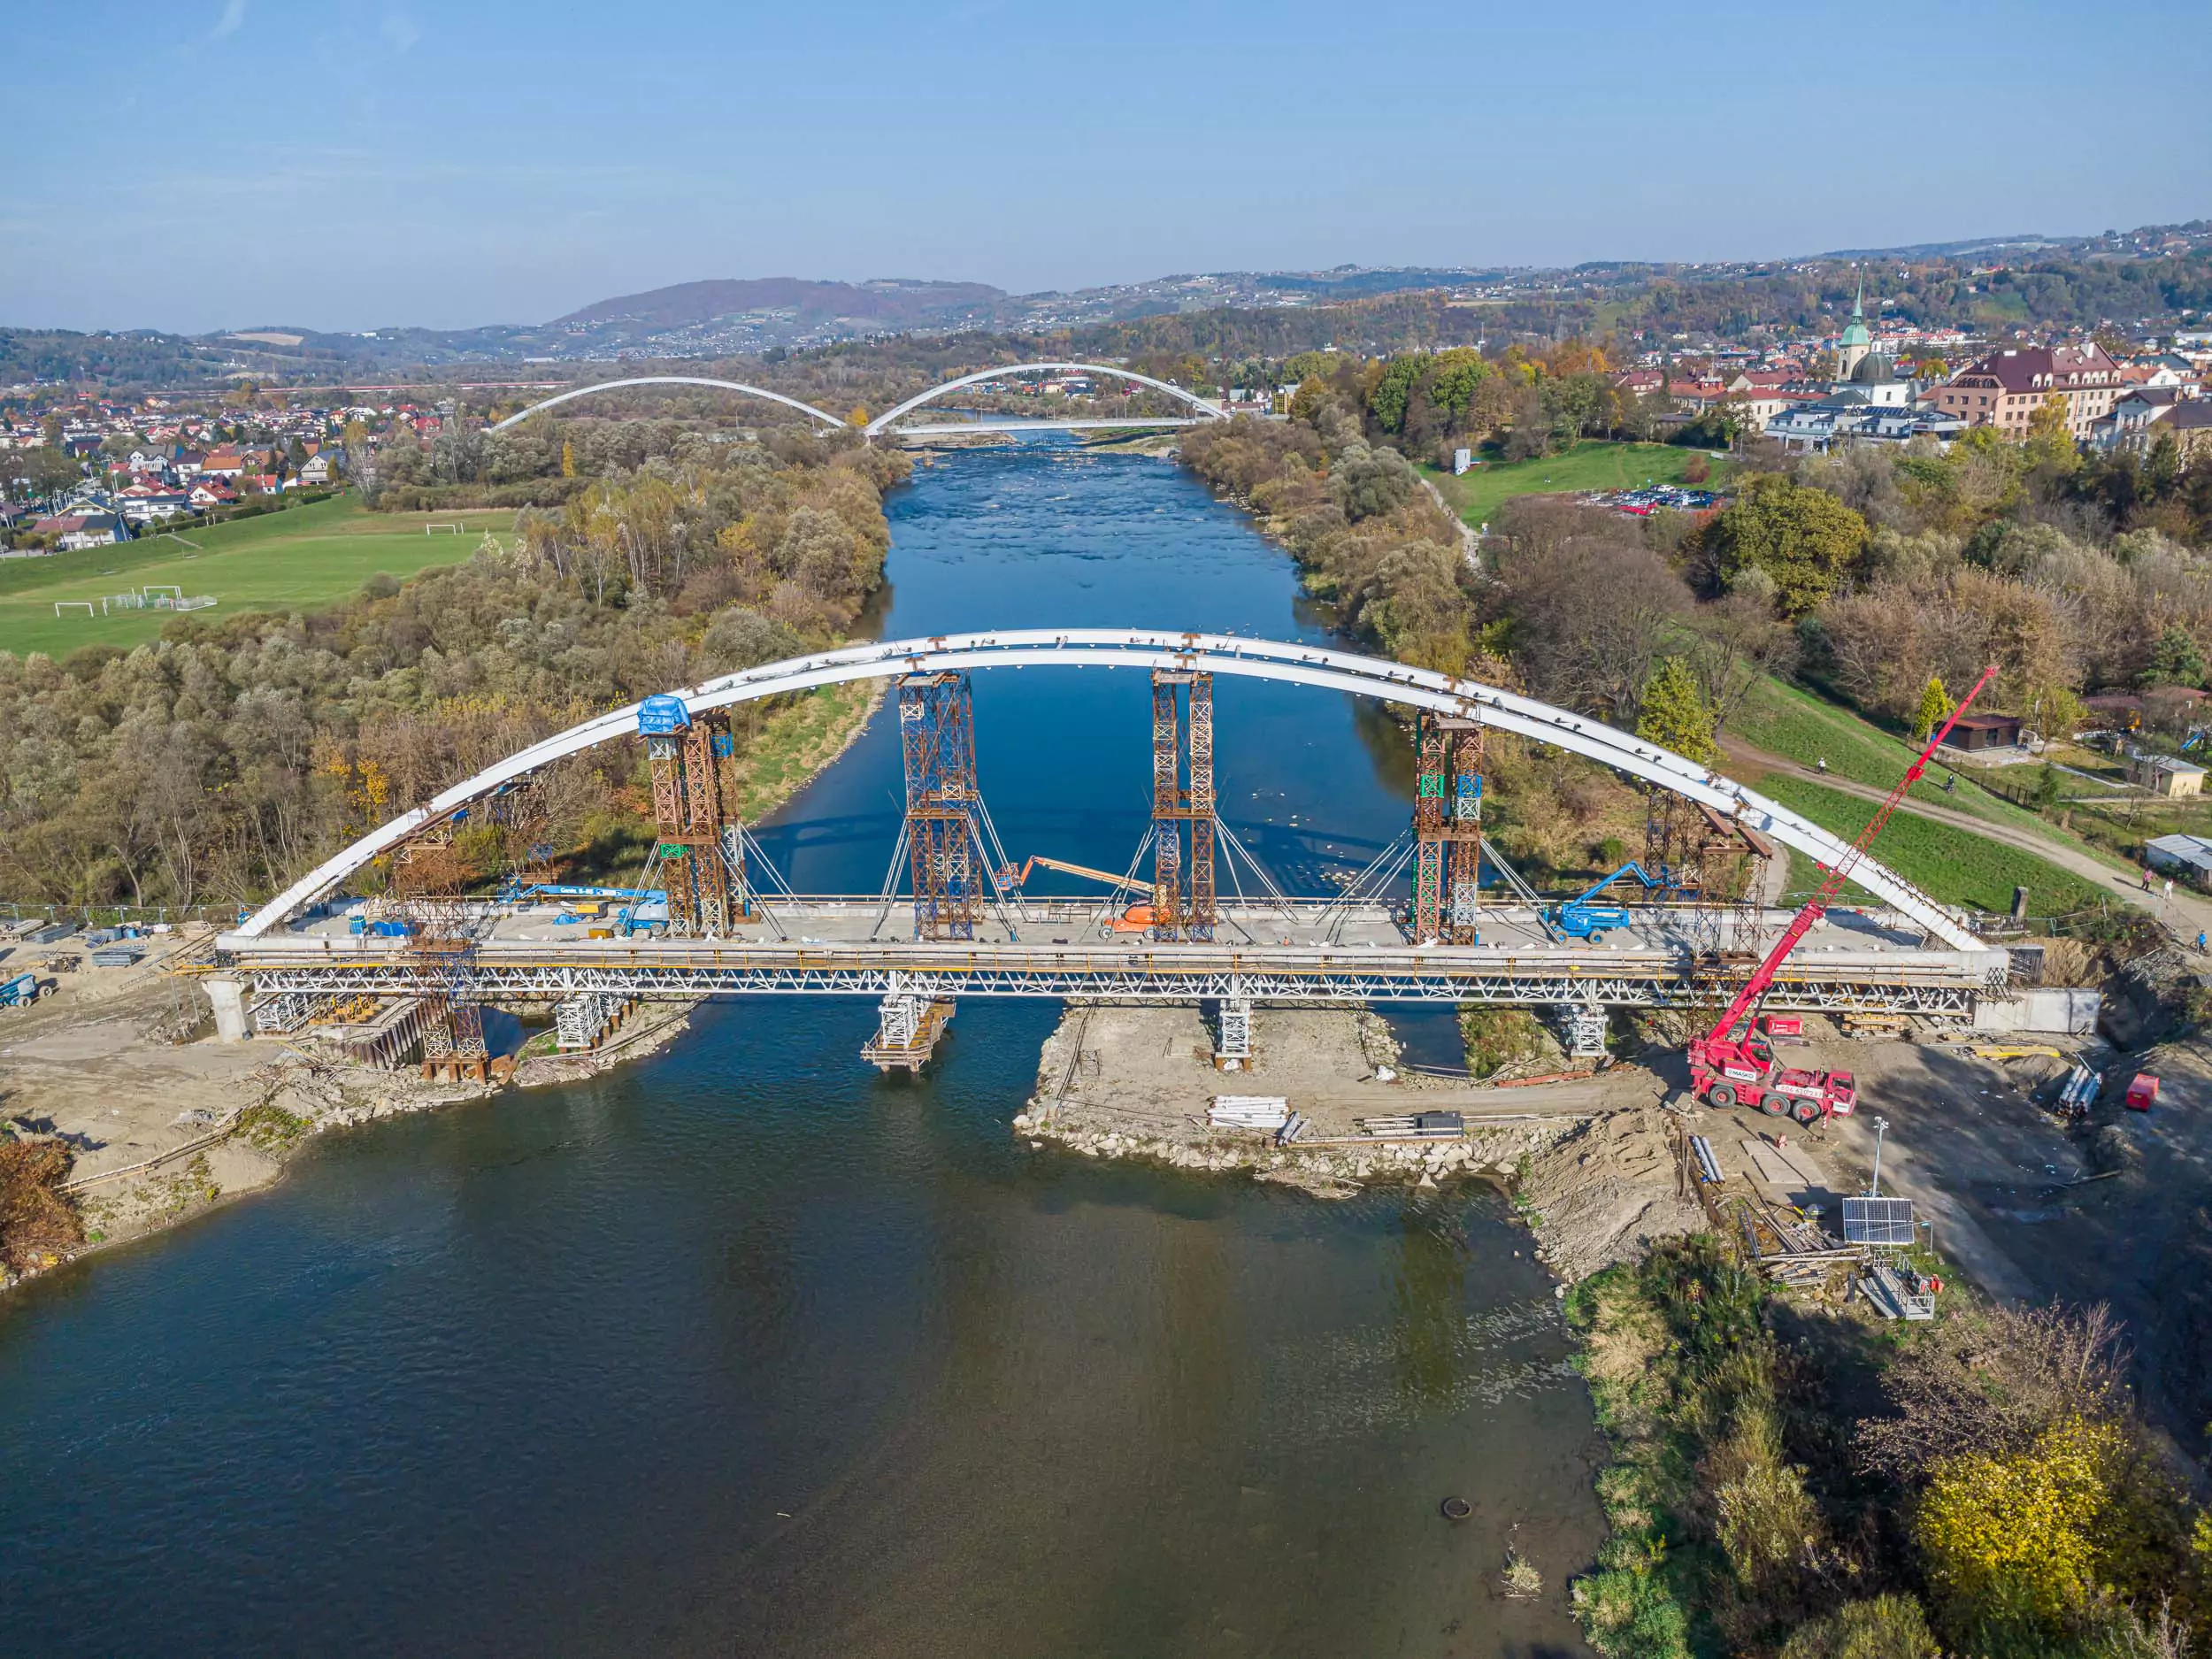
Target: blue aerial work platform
{"x": 1580, "y": 918}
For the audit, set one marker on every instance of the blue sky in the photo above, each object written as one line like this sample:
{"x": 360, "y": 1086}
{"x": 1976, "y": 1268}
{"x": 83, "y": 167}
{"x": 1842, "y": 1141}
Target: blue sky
{"x": 208, "y": 164}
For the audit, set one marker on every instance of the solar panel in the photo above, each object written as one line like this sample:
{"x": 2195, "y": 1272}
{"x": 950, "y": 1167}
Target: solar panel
{"x": 1878, "y": 1221}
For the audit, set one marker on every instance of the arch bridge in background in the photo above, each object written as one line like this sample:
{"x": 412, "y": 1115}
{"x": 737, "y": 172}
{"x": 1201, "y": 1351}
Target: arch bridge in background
{"x": 1209, "y": 653}
{"x": 809, "y": 409}
{"x": 1206, "y": 410}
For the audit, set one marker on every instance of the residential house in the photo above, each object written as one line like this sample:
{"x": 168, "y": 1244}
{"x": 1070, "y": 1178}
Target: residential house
{"x": 2165, "y": 368}
{"x": 2191, "y": 423}
{"x": 1976, "y": 734}
{"x": 142, "y": 503}
{"x": 320, "y": 468}
{"x": 76, "y": 530}
{"x": 209, "y": 492}
{"x": 2006, "y": 387}
{"x": 2163, "y": 774}
{"x": 2129, "y": 425}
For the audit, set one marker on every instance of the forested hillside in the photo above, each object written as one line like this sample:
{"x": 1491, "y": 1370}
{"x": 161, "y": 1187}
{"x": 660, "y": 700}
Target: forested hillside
{"x": 216, "y": 765}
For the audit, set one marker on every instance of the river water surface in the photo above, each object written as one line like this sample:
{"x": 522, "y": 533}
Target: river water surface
{"x": 743, "y": 1349}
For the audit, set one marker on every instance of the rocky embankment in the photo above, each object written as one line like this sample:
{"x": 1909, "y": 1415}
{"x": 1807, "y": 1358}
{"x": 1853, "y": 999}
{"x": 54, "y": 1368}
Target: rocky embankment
{"x": 1591, "y": 1164}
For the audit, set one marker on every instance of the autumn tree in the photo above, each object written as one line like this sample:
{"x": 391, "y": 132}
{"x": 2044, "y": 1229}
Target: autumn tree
{"x": 1804, "y": 538}
{"x": 2049, "y": 450}
{"x": 2013, "y": 1541}
{"x": 1935, "y": 707}
{"x": 1674, "y": 716}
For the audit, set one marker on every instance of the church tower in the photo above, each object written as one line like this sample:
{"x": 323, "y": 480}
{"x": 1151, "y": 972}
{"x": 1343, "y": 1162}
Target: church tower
{"x": 1857, "y": 340}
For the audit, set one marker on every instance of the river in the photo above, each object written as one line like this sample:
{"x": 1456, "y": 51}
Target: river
{"x": 744, "y": 1350}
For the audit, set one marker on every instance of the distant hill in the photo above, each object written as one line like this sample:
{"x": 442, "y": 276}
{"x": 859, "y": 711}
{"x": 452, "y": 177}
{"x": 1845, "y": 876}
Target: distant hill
{"x": 2150, "y": 276}
{"x": 890, "y": 303}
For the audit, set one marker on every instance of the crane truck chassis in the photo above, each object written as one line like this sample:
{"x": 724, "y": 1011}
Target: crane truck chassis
{"x": 1727, "y": 1069}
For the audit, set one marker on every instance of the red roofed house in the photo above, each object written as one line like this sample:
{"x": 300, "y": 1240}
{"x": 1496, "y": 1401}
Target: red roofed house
{"x": 2004, "y": 388}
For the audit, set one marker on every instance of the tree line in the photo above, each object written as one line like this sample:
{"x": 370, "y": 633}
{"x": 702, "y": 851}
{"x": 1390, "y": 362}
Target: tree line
{"x": 216, "y": 764}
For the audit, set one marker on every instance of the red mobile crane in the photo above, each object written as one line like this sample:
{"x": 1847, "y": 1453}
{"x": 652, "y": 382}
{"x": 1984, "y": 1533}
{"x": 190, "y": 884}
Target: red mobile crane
{"x": 1734, "y": 1062}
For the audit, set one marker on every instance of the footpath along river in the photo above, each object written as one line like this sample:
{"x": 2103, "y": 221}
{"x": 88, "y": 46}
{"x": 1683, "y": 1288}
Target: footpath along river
{"x": 746, "y": 1350}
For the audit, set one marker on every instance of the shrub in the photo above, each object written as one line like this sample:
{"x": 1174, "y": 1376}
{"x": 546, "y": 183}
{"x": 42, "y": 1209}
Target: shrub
{"x": 2011, "y": 1539}
{"x": 1885, "y": 1627}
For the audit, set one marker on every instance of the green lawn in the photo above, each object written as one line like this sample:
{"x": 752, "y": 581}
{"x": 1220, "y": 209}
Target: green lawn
{"x": 302, "y": 557}
{"x": 1954, "y": 866}
{"x": 1782, "y": 720}
{"x": 1592, "y": 464}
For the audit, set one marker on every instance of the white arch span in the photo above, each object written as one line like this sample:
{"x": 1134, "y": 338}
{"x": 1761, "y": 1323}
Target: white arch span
{"x": 672, "y": 380}
{"x": 883, "y": 421}
{"x": 1213, "y": 653}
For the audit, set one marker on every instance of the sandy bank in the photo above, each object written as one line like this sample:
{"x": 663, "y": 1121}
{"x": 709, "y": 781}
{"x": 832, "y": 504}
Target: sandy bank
{"x": 1589, "y": 1163}
{"x": 163, "y": 1129}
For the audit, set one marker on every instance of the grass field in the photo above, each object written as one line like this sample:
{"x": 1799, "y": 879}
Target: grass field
{"x": 1954, "y": 866}
{"x": 1783, "y": 720}
{"x": 1591, "y": 464}
{"x": 302, "y": 557}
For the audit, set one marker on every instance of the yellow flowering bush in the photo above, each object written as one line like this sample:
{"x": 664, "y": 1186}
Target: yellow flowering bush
{"x": 2016, "y": 1534}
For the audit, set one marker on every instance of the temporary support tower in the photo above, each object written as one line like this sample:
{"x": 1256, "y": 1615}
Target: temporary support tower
{"x": 428, "y": 879}
{"x": 692, "y": 861}
{"x": 1448, "y": 832}
{"x": 1182, "y": 706}
{"x": 937, "y": 741}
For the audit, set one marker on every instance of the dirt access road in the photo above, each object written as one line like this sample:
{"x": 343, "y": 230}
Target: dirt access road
{"x": 2185, "y": 914}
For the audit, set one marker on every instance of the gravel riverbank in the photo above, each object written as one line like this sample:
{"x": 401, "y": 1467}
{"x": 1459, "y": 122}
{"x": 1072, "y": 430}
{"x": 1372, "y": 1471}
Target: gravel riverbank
{"x": 1589, "y": 1162}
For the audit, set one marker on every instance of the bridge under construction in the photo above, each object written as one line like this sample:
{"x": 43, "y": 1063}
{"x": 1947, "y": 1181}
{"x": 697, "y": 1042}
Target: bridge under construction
{"x": 1441, "y": 915}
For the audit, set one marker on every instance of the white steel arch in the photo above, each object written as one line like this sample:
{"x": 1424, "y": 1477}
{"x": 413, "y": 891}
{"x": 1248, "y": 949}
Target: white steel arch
{"x": 1212, "y": 653}
{"x": 672, "y": 380}
{"x": 884, "y": 420}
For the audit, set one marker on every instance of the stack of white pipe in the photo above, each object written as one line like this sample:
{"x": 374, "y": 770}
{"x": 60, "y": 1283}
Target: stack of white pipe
{"x": 1266, "y": 1112}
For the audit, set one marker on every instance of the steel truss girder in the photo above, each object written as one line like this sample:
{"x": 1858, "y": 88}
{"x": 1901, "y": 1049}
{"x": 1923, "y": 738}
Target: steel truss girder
{"x": 1157, "y": 983}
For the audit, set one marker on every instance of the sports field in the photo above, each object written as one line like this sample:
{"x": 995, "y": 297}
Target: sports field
{"x": 302, "y": 557}
{"x": 1591, "y": 464}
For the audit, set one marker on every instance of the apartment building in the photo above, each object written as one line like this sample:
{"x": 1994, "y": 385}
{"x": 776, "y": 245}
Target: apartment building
{"x": 2004, "y": 388}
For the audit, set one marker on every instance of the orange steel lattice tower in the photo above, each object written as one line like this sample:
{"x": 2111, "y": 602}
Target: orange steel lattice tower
{"x": 937, "y": 744}
{"x": 1173, "y": 804}
{"x": 691, "y": 856}
{"x": 1447, "y": 830}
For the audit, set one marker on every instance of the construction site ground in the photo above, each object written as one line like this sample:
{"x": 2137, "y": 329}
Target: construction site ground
{"x": 2117, "y": 1209}
{"x": 1590, "y": 1157}
{"x": 2025, "y": 1207}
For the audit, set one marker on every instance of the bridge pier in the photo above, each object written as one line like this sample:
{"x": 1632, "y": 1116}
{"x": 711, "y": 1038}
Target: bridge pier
{"x": 1233, "y": 1030}
{"x": 908, "y": 1026}
{"x": 1582, "y": 1030}
{"x": 229, "y": 997}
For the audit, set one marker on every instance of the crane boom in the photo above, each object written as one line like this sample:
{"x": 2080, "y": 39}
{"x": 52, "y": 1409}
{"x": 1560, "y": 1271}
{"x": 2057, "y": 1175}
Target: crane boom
{"x": 1017, "y": 878}
{"x": 1804, "y": 922}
